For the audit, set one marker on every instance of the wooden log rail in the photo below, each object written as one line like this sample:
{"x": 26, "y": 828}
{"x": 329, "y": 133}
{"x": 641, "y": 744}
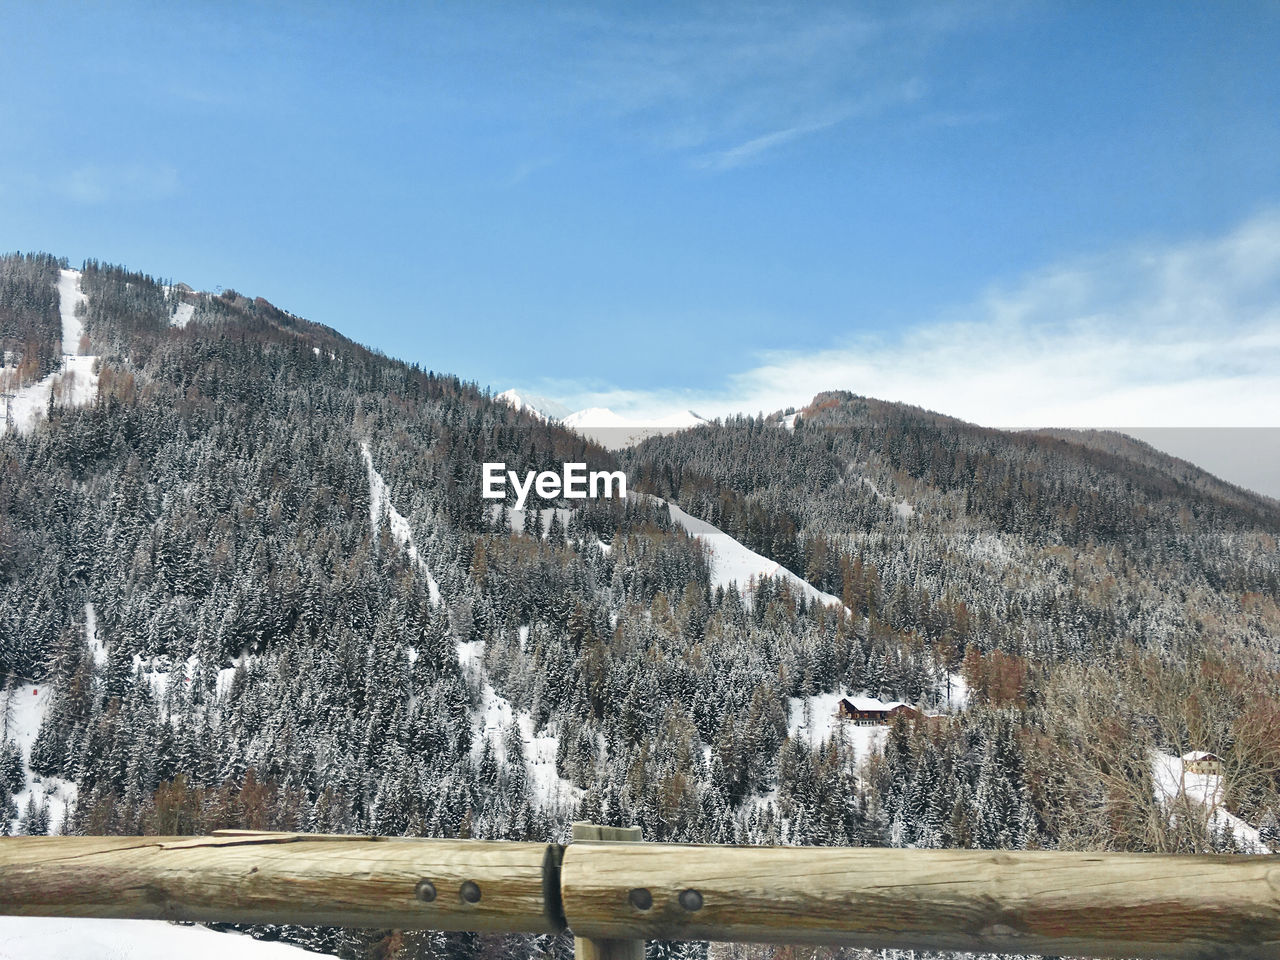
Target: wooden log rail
{"x": 612, "y": 893}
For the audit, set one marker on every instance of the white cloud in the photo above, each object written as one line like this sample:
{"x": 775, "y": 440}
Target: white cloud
{"x": 1172, "y": 335}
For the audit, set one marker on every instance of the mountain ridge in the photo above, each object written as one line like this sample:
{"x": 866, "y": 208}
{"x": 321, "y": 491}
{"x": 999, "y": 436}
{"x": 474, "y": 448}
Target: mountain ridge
{"x": 257, "y": 586}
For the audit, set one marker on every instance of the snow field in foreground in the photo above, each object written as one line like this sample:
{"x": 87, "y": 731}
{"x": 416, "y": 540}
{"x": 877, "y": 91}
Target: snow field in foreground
{"x": 29, "y": 938}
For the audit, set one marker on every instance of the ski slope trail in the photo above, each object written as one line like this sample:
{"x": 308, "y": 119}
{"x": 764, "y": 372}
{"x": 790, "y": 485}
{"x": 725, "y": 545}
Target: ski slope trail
{"x": 380, "y": 506}
{"x": 74, "y": 383}
{"x": 731, "y": 562}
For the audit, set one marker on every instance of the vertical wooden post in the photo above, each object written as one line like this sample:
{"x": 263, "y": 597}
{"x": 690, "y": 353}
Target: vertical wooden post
{"x": 587, "y": 949}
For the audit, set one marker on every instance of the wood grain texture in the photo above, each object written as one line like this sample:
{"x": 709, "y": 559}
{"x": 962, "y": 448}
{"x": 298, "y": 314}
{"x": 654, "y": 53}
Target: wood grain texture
{"x": 282, "y": 878}
{"x": 587, "y": 949}
{"x": 1100, "y": 905}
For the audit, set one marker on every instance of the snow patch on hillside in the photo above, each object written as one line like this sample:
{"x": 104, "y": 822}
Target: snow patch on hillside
{"x": 990, "y": 548}
{"x": 74, "y": 383}
{"x": 515, "y": 518}
{"x": 1171, "y": 779}
{"x": 380, "y": 506}
{"x": 70, "y": 296}
{"x": 547, "y": 789}
{"x": 96, "y": 646}
{"x": 953, "y": 690}
{"x": 813, "y": 720}
{"x": 731, "y": 562}
{"x": 182, "y": 315}
{"x": 22, "y": 711}
{"x": 904, "y": 510}
{"x": 80, "y": 938}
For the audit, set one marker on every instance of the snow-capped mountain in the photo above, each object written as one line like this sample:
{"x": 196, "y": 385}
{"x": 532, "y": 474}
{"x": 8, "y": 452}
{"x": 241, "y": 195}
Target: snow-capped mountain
{"x": 616, "y": 432}
{"x": 600, "y": 424}
{"x": 249, "y": 580}
{"x": 543, "y": 407}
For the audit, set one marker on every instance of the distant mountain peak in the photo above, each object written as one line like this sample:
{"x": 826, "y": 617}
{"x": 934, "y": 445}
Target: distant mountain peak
{"x": 541, "y": 407}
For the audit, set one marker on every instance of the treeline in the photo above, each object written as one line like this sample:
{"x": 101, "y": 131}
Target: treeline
{"x": 30, "y": 323}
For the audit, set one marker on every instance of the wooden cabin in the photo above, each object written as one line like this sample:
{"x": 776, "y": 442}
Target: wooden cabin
{"x": 873, "y": 712}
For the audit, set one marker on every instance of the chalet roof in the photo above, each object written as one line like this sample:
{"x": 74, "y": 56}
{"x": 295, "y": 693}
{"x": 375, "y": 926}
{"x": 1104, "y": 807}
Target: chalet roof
{"x": 872, "y": 704}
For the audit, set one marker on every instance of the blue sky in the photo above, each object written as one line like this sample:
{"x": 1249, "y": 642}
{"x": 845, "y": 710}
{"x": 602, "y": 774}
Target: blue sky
{"x": 1019, "y": 213}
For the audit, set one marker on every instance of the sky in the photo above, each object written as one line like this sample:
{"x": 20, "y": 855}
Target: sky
{"x": 1020, "y": 213}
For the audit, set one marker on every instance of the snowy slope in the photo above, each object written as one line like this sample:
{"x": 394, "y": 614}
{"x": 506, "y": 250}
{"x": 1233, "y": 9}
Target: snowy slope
{"x": 36, "y": 938}
{"x": 22, "y": 711}
{"x": 74, "y": 383}
{"x": 731, "y": 562}
{"x": 548, "y": 790}
{"x": 900, "y": 507}
{"x": 182, "y": 314}
{"x": 380, "y": 506}
{"x": 1170, "y": 780}
{"x": 813, "y": 720}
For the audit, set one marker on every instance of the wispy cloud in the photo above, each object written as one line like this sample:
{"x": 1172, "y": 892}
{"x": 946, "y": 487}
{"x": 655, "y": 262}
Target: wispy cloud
{"x": 523, "y": 172}
{"x": 753, "y": 148}
{"x": 877, "y": 101}
{"x": 730, "y": 87}
{"x": 97, "y": 184}
{"x": 1156, "y": 335}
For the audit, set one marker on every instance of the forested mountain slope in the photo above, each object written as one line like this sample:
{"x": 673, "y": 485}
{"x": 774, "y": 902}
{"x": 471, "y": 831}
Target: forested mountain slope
{"x": 254, "y": 583}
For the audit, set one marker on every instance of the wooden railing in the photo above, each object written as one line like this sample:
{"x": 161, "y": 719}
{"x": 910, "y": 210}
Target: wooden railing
{"x": 614, "y": 895}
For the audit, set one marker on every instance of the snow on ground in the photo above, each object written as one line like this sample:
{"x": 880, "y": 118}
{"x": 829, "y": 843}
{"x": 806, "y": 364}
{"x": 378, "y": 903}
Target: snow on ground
{"x": 731, "y": 562}
{"x": 789, "y": 421}
{"x": 22, "y": 711}
{"x": 903, "y": 509}
{"x": 74, "y": 383}
{"x": 990, "y": 548}
{"x": 96, "y": 646}
{"x": 70, "y": 297}
{"x": 491, "y": 722}
{"x": 471, "y": 658}
{"x": 182, "y": 315}
{"x": 515, "y": 518}
{"x": 1170, "y": 780}
{"x": 29, "y": 938}
{"x": 813, "y": 719}
{"x": 380, "y": 506}
{"x": 956, "y": 696}
{"x": 158, "y": 671}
